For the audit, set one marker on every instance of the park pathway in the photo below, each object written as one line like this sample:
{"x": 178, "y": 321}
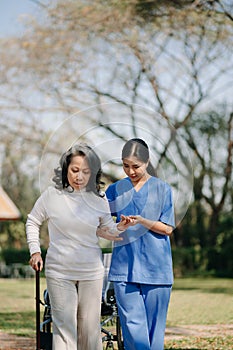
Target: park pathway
{"x": 12, "y": 342}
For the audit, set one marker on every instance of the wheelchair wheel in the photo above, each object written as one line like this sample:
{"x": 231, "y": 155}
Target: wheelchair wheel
{"x": 120, "y": 343}
{"x": 47, "y": 318}
{"x": 46, "y": 335}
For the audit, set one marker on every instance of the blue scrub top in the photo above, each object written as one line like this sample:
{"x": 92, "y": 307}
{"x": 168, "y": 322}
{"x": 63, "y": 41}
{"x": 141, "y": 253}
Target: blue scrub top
{"x": 143, "y": 256}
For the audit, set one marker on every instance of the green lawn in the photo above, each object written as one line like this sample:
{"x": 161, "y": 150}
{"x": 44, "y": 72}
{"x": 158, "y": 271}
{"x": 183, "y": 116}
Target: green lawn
{"x": 17, "y": 306}
{"x": 201, "y": 301}
{"x": 194, "y": 301}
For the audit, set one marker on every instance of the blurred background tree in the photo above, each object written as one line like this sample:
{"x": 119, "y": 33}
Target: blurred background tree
{"x": 105, "y": 71}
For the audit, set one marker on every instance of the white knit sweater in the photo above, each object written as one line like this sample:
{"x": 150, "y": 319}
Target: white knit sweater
{"x": 73, "y": 218}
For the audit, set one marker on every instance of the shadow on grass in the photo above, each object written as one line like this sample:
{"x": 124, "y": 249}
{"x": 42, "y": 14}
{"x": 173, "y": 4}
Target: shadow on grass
{"x": 18, "y": 323}
{"x": 217, "y": 290}
{"x": 204, "y": 285}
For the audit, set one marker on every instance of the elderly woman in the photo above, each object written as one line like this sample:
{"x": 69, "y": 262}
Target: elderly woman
{"x": 74, "y": 208}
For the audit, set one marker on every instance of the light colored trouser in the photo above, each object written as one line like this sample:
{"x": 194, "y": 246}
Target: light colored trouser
{"x": 76, "y": 310}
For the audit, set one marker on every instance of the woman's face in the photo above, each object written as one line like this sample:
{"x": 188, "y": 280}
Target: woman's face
{"x": 135, "y": 169}
{"x": 78, "y": 173}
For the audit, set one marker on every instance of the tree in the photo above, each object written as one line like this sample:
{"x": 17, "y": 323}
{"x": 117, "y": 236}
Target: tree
{"x": 209, "y": 136}
{"x": 132, "y": 68}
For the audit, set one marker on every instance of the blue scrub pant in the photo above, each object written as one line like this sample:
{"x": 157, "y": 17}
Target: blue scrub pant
{"x": 143, "y": 311}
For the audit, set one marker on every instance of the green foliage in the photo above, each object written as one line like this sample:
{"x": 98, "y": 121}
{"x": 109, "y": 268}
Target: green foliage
{"x": 186, "y": 260}
{"x": 212, "y": 261}
{"x": 194, "y": 249}
{"x": 149, "y": 10}
{"x": 14, "y": 256}
{"x": 189, "y": 260}
{"x": 106, "y": 250}
{"x": 220, "y": 258}
{"x": 18, "y": 256}
{"x": 12, "y": 234}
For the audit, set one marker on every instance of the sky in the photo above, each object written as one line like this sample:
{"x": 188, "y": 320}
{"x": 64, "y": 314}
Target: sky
{"x": 11, "y": 14}
{"x": 10, "y": 25}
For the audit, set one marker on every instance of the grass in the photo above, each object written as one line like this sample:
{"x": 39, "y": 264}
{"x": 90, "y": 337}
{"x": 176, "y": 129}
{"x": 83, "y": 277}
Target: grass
{"x": 200, "y": 343}
{"x": 17, "y": 306}
{"x": 194, "y": 301}
{"x": 201, "y": 301}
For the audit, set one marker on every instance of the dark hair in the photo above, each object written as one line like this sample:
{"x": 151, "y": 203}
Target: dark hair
{"x": 94, "y": 164}
{"x": 138, "y": 148}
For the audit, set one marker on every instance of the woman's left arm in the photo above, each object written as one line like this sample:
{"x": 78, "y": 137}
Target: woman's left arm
{"x": 109, "y": 229}
{"x": 155, "y": 226}
{"x": 105, "y": 232}
{"x": 112, "y": 231}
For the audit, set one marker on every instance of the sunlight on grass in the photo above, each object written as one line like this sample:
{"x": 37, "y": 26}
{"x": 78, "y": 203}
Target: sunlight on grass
{"x": 17, "y": 306}
{"x": 198, "y": 343}
{"x": 18, "y": 295}
{"x": 199, "y": 301}
{"x": 199, "y": 308}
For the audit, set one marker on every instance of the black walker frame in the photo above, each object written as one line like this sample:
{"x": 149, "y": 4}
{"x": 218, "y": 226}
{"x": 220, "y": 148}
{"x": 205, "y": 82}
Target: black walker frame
{"x": 109, "y": 316}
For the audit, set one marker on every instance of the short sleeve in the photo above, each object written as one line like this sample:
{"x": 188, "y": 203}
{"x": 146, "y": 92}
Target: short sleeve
{"x": 167, "y": 214}
{"x": 111, "y": 196}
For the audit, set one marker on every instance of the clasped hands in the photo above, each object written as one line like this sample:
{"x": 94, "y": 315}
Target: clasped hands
{"x": 126, "y": 221}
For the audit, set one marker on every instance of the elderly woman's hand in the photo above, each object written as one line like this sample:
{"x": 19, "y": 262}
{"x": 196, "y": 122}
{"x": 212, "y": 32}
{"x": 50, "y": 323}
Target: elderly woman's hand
{"x": 109, "y": 234}
{"x": 126, "y": 221}
{"x": 36, "y": 262}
